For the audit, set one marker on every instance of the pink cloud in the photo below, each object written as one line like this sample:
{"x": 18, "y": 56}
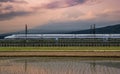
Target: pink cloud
{"x": 63, "y": 3}
{"x": 12, "y": 8}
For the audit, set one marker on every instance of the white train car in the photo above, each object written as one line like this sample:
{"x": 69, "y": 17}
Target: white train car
{"x": 57, "y": 36}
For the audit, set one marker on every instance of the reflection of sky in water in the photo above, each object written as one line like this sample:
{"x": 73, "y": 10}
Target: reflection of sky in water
{"x": 58, "y": 65}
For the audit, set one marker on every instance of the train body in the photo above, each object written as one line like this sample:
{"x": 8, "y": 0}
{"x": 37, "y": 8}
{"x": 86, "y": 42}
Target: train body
{"x": 57, "y": 36}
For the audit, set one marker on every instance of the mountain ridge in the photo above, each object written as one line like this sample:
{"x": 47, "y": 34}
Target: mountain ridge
{"x": 113, "y": 29}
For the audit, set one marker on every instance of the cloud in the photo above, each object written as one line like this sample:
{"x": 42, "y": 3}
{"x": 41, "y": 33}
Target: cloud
{"x": 11, "y": 15}
{"x": 108, "y": 15}
{"x": 57, "y": 4}
{"x": 16, "y": 1}
{"x": 12, "y": 8}
{"x": 7, "y": 0}
{"x": 63, "y": 3}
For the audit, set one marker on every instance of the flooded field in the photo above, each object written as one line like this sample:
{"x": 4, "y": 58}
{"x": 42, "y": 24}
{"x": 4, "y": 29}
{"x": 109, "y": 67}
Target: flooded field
{"x": 59, "y": 65}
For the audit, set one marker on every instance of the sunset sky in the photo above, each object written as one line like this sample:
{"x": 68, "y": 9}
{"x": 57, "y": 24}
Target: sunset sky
{"x": 57, "y": 14}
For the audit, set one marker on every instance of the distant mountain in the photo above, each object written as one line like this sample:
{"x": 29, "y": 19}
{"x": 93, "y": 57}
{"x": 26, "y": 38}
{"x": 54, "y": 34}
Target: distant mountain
{"x": 114, "y": 29}
{"x": 4, "y": 35}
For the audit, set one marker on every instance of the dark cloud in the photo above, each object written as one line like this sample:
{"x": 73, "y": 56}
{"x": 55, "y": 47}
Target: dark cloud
{"x": 7, "y": 0}
{"x": 8, "y": 11}
{"x": 11, "y": 15}
{"x": 68, "y": 3}
{"x": 14, "y": 1}
{"x": 8, "y": 7}
{"x": 75, "y": 2}
{"x": 63, "y": 4}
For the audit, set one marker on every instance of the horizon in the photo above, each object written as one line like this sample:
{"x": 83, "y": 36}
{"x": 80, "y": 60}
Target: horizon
{"x": 55, "y": 15}
{"x": 90, "y": 30}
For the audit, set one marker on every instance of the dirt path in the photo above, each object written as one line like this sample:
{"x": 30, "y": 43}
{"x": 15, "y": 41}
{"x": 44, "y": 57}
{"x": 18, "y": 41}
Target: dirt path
{"x": 60, "y": 53}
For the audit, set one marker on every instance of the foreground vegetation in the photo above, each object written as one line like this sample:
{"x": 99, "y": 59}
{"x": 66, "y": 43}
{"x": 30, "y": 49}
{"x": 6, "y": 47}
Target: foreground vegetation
{"x": 59, "y": 48}
{"x": 62, "y": 42}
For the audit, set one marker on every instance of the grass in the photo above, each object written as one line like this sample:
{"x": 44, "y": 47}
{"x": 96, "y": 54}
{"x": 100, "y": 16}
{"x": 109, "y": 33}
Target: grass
{"x": 59, "y": 48}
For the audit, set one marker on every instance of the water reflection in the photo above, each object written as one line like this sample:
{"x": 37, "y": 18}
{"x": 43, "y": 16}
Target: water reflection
{"x": 58, "y": 65}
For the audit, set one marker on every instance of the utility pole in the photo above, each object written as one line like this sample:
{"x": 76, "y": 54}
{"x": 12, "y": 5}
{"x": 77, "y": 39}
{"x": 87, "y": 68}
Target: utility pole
{"x": 91, "y": 29}
{"x": 94, "y": 29}
{"x": 26, "y": 31}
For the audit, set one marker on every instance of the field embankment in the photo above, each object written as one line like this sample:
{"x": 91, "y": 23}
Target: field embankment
{"x": 60, "y": 51}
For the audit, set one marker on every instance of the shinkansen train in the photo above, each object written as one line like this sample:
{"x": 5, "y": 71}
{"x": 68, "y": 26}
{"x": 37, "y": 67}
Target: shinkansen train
{"x": 57, "y": 36}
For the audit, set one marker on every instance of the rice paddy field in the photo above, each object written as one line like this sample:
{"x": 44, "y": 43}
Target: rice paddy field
{"x": 65, "y": 57}
{"x": 59, "y": 65}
